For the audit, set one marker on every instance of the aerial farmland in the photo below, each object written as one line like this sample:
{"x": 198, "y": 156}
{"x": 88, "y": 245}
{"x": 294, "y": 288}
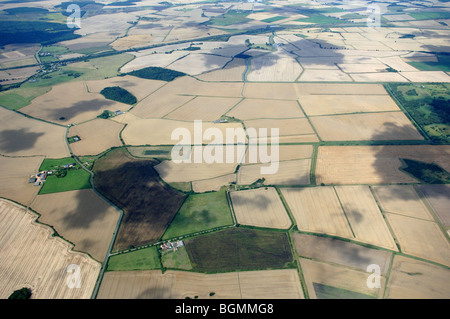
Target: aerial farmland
{"x": 225, "y": 149}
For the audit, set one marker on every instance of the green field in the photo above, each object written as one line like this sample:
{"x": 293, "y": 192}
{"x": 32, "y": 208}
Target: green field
{"x": 273, "y": 19}
{"x": 239, "y": 249}
{"x": 443, "y": 64}
{"x": 229, "y": 18}
{"x": 428, "y": 105}
{"x": 200, "y": 212}
{"x": 178, "y": 259}
{"x": 328, "y": 292}
{"x": 94, "y": 69}
{"x": 75, "y": 179}
{"x": 321, "y": 19}
{"x": 142, "y": 259}
{"x": 427, "y": 15}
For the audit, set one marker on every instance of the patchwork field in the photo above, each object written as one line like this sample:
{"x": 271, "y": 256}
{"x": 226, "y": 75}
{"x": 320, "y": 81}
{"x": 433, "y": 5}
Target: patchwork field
{"x": 21, "y": 136}
{"x": 368, "y": 126}
{"x": 135, "y": 186}
{"x": 81, "y": 217}
{"x": 340, "y": 252}
{"x": 401, "y": 199}
{"x": 373, "y": 164}
{"x": 364, "y": 216}
{"x": 328, "y": 281}
{"x": 415, "y": 279}
{"x": 251, "y": 109}
{"x": 96, "y": 136}
{"x": 317, "y": 210}
{"x": 260, "y": 207}
{"x": 438, "y": 196}
{"x": 213, "y": 184}
{"x": 152, "y": 284}
{"x": 34, "y": 259}
{"x": 420, "y": 238}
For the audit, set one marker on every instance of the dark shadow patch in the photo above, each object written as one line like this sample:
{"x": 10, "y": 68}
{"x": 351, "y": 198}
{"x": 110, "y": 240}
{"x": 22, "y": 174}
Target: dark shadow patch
{"x": 18, "y": 140}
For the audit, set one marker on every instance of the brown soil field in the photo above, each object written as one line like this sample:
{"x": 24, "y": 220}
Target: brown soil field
{"x": 14, "y": 175}
{"x": 438, "y": 196}
{"x": 81, "y": 217}
{"x": 34, "y": 259}
{"x": 213, "y": 184}
{"x": 203, "y": 108}
{"x": 374, "y": 164}
{"x": 70, "y": 103}
{"x": 152, "y": 284}
{"x": 260, "y": 207}
{"x": 338, "y": 277}
{"x": 401, "y": 199}
{"x": 367, "y": 126}
{"x": 340, "y": 252}
{"x": 414, "y": 279}
{"x": 365, "y": 217}
{"x": 250, "y": 109}
{"x": 293, "y": 172}
{"x": 317, "y": 210}
{"x": 420, "y": 238}
{"x": 139, "y": 87}
{"x": 96, "y": 136}
{"x": 134, "y": 185}
{"x": 21, "y": 136}
{"x": 314, "y": 105}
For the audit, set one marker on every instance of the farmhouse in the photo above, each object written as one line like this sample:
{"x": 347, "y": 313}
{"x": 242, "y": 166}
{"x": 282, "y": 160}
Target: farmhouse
{"x": 169, "y": 246}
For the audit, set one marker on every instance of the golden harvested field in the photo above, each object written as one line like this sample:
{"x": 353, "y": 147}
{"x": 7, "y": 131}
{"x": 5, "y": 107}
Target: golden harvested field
{"x": 274, "y": 68}
{"x": 21, "y": 136}
{"x": 374, "y": 164}
{"x": 14, "y": 175}
{"x": 70, "y": 103}
{"x": 191, "y": 86}
{"x": 96, "y": 136}
{"x": 203, "y": 108}
{"x": 212, "y": 184}
{"x": 81, "y": 217}
{"x": 289, "y": 130}
{"x": 367, "y": 126}
{"x": 140, "y": 88}
{"x": 285, "y": 152}
{"x": 132, "y": 41}
{"x": 159, "y": 131}
{"x": 143, "y": 61}
{"x": 362, "y": 68}
{"x": 340, "y": 252}
{"x": 314, "y": 105}
{"x": 401, "y": 199}
{"x": 275, "y": 91}
{"x": 427, "y": 76}
{"x": 233, "y": 71}
{"x": 195, "y": 64}
{"x": 172, "y": 172}
{"x": 250, "y": 109}
{"x": 339, "y": 88}
{"x": 438, "y": 196}
{"x": 415, "y": 279}
{"x": 365, "y": 217}
{"x": 312, "y": 75}
{"x": 159, "y": 104}
{"x": 420, "y": 238}
{"x": 152, "y": 284}
{"x": 293, "y": 172}
{"x": 378, "y": 77}
{"x": 317, "y": 209}
{"x": 33, "y": 258}
{"x": 260, "y": 207}
{"x": 338, "y": 277}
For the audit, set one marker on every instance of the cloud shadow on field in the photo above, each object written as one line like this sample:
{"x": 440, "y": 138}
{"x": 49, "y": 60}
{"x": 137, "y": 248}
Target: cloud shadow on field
{"x": 68, "y": 113}
{"x": 18, "y": 140}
